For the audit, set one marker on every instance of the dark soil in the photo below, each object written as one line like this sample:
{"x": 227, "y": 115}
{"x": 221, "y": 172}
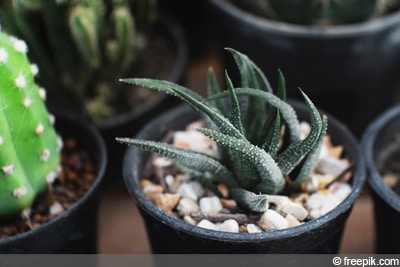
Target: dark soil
{"x": 77, "y": 176}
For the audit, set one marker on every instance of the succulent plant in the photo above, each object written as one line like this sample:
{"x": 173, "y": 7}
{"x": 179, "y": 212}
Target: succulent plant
{"x": 81, "y": 46}
{"x": 257, "y": 132}
{"x": 319, "y": 11}
{"x": 29, "y": 144}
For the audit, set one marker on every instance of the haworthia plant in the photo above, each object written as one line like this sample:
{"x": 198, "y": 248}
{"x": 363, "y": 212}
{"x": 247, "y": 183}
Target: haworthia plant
{"x": 29, "y": 144}
{"x": 81, "y": 46}
{"x": 319, "y": 11}
{"x": 257, "y": 132}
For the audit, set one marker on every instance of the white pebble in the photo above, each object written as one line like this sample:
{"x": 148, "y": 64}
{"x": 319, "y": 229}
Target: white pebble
{"x": 332, "y": 165}
{"x": 340, "y": 190}
{"x": 192, "y": 190}
{"x": 207, "y": 225}
{"x": 189, "y": 220}
{"x": 253, "y": 229}
{"x": 186, "y": 206}
{"x": 56, "y": 208}
{"x": 210, "y": 204}
{"x": 272, "y": 220}
{"x": 194, "y": 140}
{"x": 295, "y": 209}
{"x": 162, "y": 162}
{"x": 230, "y": 226}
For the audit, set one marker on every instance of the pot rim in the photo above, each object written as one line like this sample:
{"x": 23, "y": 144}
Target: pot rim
{"x": 371, "y": 135}
{"x": 92, "y": 132}
{"x": 314, "y": 31}
{"x": 129, "y": 170}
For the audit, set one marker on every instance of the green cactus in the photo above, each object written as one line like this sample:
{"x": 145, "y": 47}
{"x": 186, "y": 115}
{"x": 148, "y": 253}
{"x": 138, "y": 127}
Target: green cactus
{"x": 248, "y": 130}
{"x": 325, "y": 12}
{"x": 81, "y": 46}
{"x": 29, "y": 144}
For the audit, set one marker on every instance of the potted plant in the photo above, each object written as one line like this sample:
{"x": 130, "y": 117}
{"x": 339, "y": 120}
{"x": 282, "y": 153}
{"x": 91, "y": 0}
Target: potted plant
{"x": 50, "y": 182}
{"x": 350, "y": 56}
{"x": 380, "y": 145}
{"x": 258, "y": 165}
{"x": 82, "y": 47}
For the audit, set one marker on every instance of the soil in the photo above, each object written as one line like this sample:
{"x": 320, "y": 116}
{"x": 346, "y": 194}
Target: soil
{"x": 77, "y": 176}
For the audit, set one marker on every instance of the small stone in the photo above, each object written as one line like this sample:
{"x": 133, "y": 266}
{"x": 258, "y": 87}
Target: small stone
{"x": 293, "y": 221}
{"x": 193, "y": 190}
{"x": 223, "y": 189}
{"x": 229, "y": 204}
{"x": 277, "y": 199}
{"x": 186, "y": 190}
{"x": 272, "y": 220}
{"x": 253, "y": 229}
{"x": 166, "y": 202}
{"x": 162, "y": 162}
{"x": 186, "y": 206}
{"x": 56, "y": 208}
{"x": 390, "y": 179}
{"x": 230, "y": 226}
{"x": 210, "y": 204}
{"x": 151, "y": 188}
{"x": 332, "y": 166}
{"x": 340, "y": 190}
{"x": 194, "y": 140}
{"x": 295, "y": 209}
{"x": 321, "y": 203}
{"x": 207, "y": 225}
{"x": 189, "y": 220}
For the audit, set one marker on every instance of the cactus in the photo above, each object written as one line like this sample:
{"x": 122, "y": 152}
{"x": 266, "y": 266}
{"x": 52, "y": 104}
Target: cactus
{"x": 29, "y": 145}
{"x": 326, "y": 12}
{"x": 81, "y": 46}
{"x": 255, "y": 158}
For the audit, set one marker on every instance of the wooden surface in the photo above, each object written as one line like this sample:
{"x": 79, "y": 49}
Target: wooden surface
{"x": 121, "y": 229}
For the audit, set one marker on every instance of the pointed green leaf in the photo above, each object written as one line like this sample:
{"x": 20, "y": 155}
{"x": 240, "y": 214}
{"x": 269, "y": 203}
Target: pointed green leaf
{"x": 289, "y": 158}
{"x": 286, "y": 110}
{"x": 251, "y": 75}
{"x": 191, "y": 98}
{"x": 271, "y": 145}
{"x": 235, "y": 116}
{"x": 249, "y": 200}
{"x": 271, "y": 178}
{"x": 311, "y": 160}
{"x": 213, "y": 88}
{"x": 192, "y": 159}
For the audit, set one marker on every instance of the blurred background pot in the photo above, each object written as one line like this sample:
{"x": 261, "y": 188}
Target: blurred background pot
{"x": 350, "y": 70}
{"x": 381, "y": 149}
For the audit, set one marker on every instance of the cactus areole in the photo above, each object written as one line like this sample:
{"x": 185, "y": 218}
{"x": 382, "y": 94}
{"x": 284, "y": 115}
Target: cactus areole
{"x": 29, "y": 144}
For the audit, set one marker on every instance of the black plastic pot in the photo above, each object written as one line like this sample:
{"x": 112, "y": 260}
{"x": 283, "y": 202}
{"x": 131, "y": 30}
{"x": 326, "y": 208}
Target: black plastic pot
{"x": 379, "y": 144}
{"x": 129, "y": 122}
{"x": 75, "y": 231}
{"x": 171, "y": 235}
{"x": 350, "y": 71}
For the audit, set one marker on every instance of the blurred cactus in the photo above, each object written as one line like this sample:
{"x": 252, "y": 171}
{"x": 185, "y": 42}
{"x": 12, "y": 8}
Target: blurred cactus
{"x": 326, "y": 12}
{"x": 81, "y": 46}
{"x": 29, "y": 145}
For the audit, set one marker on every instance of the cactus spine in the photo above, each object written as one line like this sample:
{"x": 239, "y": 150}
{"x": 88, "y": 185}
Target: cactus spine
{"x": 29, "y": 145}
